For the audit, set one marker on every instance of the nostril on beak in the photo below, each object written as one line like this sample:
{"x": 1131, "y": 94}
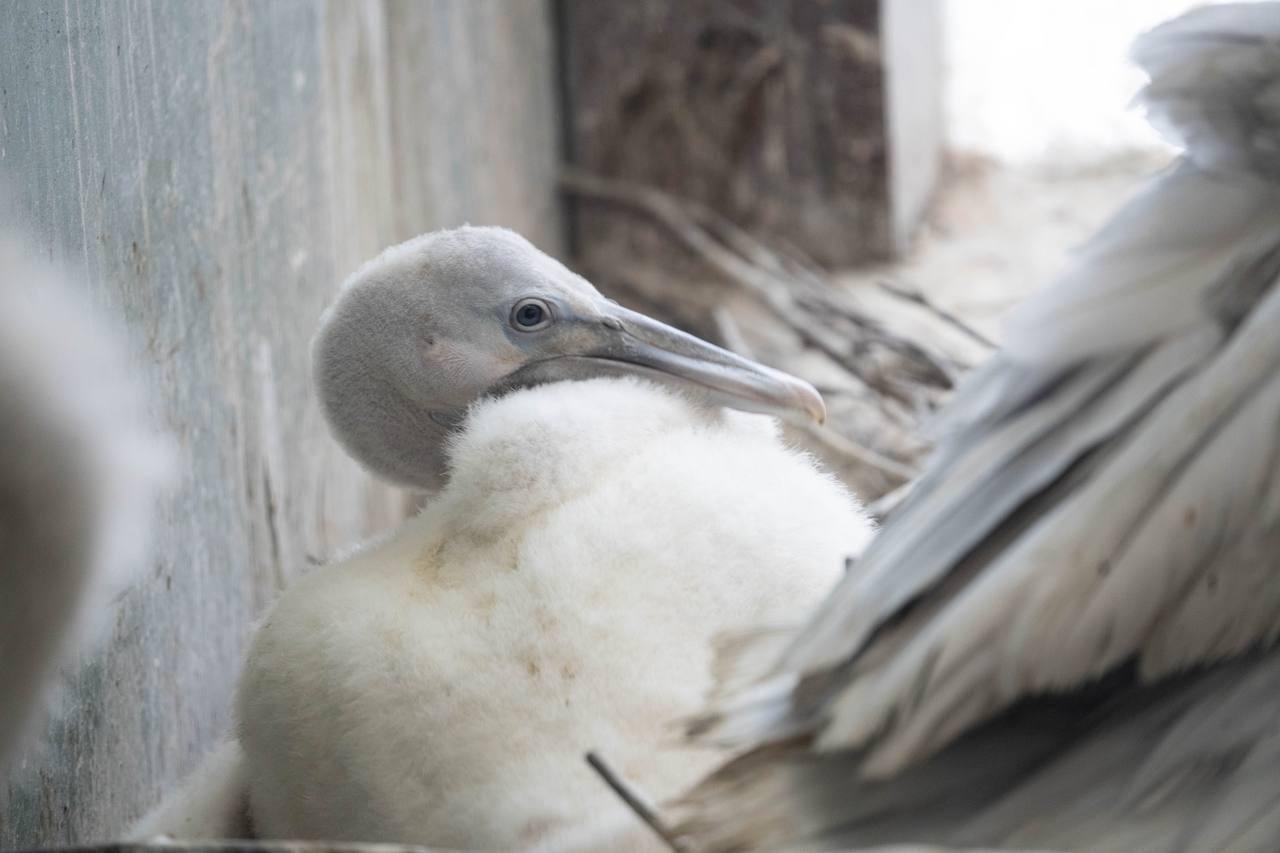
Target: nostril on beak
{"x": 613, "y": 323}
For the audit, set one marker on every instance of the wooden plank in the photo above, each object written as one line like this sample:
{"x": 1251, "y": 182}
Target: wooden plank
{"x": 913, "y": 50}
{"x": 215, "y": 170}
{"x": 455, "y": 162}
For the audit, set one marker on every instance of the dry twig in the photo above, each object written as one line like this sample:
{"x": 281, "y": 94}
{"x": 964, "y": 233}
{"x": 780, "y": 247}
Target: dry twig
{"x": 917, "y": 298}
{"x": 892, "y": 381}
{"x": 634, "y": 801}
{"x": 791, "y": 288}
{"x": 732, "y": 338}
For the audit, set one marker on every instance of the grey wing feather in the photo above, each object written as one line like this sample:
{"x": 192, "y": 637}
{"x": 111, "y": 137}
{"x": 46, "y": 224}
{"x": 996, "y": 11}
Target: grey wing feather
{"x": 976, "y": 499}
{"x": 995, "y": 461}
{"x": 1149, "y": 272}
{"x": 1115, "y": 766}
{"x": 1214, "y": 89}
{"x": 1106, "y": 499}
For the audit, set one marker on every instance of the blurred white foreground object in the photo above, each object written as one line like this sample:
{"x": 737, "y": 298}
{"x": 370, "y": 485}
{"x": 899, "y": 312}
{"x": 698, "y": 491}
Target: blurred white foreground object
{"x": 79, "y": 470}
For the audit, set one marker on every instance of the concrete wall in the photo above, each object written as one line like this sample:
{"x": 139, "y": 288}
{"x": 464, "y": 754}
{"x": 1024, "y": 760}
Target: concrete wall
{"x": 215, "y": 170}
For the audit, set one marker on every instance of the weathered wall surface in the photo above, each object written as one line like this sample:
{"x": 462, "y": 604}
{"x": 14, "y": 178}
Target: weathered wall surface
{"x": 814, "y": 125}
{"x": 771, "y": 112}
{"x": 215, "y": 170}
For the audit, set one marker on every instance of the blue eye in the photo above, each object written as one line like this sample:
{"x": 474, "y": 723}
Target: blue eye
{"x": 530, "y": 314}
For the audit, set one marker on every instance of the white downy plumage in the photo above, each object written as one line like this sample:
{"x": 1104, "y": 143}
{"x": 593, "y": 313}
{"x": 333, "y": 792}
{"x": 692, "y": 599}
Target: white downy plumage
{"x": 560, "y": 593}
{"x": 78, "y": 475}
{"x": 1007, "y": 666}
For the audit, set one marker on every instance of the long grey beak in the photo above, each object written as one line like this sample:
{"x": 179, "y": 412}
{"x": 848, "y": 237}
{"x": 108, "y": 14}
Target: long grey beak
{"x": 623, "y": 342}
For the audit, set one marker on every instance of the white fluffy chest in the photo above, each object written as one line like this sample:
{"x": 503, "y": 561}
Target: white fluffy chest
{"x": 444, "y": 688}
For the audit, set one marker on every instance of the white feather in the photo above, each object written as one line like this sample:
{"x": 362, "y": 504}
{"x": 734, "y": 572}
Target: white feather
{"x": 78, "y": 476}
{"x": 212, "y": 803}
{"x": 559, "y": 595}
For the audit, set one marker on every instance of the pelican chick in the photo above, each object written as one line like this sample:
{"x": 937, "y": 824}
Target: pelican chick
{"x": 561, "y": 592}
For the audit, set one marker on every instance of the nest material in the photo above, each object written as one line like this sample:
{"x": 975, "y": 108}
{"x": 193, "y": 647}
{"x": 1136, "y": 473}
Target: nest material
{"x": 774, "y": 304}
{"x": 772, "y": 113}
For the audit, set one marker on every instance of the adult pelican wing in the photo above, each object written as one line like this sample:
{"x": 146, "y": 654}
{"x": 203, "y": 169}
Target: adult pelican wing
{"x": 1063, "y": 637}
